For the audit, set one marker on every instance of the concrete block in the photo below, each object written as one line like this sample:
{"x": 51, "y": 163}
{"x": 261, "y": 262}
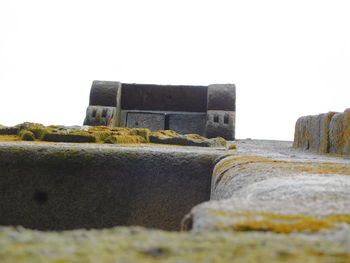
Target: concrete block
{"x": 152, "y": 121}
{"x": 324, "y": 132}
{"x": 346, "y": 133}
{"x": 297, "y": 143}
{"x": 315, "y": 132}
{"x": 221, "y": 124}
{"x": 335, "y": 132}
{"x": 70, "y": 186}
{"x": 222, "y": 97}
{"x": 99, "y": 116}
{"x": 148, "y": 97}
{"x": 104, "y": 93}
{"x": 187, "y": 123}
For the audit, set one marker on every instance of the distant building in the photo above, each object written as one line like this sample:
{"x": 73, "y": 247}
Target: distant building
{"x": 205, "y": 110}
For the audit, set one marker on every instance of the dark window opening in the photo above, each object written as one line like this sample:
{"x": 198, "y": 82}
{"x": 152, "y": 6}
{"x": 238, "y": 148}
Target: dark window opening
{"x": 216, "y": 118}
{"x": 94, "y": 111}
{"x": 226, "y": 118}
{"x": 166, "y": 122}
{"x": 104, "y": 113}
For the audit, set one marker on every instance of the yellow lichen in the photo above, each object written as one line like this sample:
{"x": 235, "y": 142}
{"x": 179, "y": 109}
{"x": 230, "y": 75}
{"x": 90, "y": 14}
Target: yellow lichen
{"x": 9, "y": 138}
{"x": 232, "y": 147}
{"x": 278, "y": 223}
{"x": 196, "y": 137}
{"x": 166, "y": 133}
{"x": 307, "y": 224}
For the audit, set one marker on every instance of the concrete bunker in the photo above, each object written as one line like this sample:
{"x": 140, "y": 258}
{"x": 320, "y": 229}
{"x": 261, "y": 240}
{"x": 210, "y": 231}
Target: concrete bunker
{"x": 71, "y": 186}
{"x": 205, "y": 110}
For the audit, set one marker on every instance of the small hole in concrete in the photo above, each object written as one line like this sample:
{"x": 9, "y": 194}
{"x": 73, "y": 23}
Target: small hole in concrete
{"x": 216, "y": 118}
{"x": 94, "y": 111}
{"x": 40, "y": 197}
{"x": 136, "y": 123}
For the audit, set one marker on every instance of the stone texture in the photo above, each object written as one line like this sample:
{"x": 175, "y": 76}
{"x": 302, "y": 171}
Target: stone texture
{"x": 346, "y": 133}
{"x": 187, "y": 123}
{"x": 104, "y": 93}
{"x": 325, "y": 133}
{"x": 188, "y": 140}
{"x": 221, "y": 123}
{"x": 149, "y": 97}
{"x": 67, "y": 186}
{"x": 222, "y": 97}
{"x": 335, "y": 132}
{"x": 135, "y": 244}
{"x": 269, "y": 203}
{"x": 277, "y": 190}
{"x": 99, "y": 115}
{"x": 152, "y": 121}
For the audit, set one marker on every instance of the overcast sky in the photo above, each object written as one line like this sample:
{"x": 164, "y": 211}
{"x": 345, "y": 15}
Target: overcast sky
{"x": 287, "y": 58}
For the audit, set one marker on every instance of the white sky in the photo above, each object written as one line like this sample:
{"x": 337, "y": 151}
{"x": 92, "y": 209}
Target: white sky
{"x": 287, "y": 58}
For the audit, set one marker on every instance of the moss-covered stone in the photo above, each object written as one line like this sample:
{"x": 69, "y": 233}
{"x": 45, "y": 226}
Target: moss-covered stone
{"x": 110, "y": 135}
{"x": 143, "y": 245}
{"x": 74, "y": 136}
{"x": 232, "y": 147}
{"x": 172, "y": 137}
{"x": 26, "y": 135}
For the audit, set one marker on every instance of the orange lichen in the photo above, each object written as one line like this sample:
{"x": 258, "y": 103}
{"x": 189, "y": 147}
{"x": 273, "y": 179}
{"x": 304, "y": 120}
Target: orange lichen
{"x": 232, "y": 147}
{"x": 278, "y": 223}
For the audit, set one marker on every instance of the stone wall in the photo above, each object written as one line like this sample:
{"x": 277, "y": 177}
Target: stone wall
{"x": 324, "y": 133}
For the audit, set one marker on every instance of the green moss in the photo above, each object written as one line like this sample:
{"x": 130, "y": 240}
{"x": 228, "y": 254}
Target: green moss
{"x": 9, "y": 138}
{"x": 165, "y": 134}
{"x": 26, "y": 135}
{"x": 222, "y": 141}
{"x": 119, "y": 139}
{"x": 74, "y": 136}
{"x": 144, "y": 133}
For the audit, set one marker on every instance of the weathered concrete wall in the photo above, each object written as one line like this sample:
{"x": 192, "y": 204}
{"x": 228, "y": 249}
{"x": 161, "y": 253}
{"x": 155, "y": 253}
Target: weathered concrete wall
{"x": 269, "y": 188}
{"x": 69, "y": 186}
{"x": 99, "y": 115}
{"x": 147, "y": 97}
{"x": 104, "y": 93}
{"x": 221, "y": 114}
{"x": 325, "y": 133}
{"x": 270, "y": 203}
